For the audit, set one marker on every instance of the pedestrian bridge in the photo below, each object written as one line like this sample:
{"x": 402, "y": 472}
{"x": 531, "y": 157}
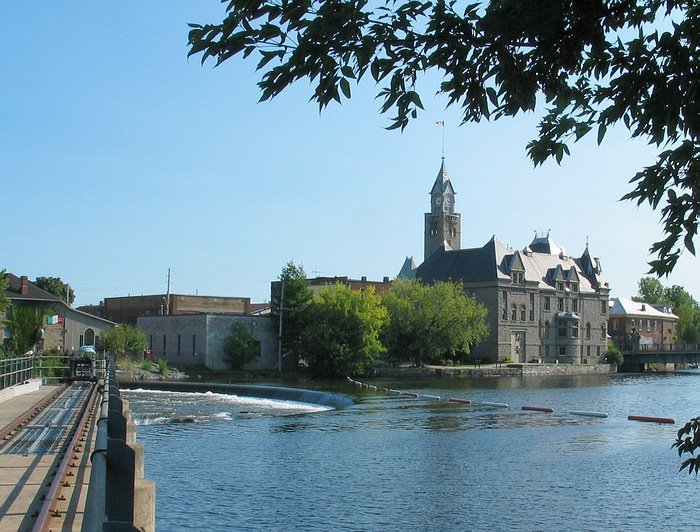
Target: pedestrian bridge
{"x": 662, "y": 354}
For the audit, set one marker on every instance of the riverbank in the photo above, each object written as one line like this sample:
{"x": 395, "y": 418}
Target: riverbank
{"x": 494, "y": 370}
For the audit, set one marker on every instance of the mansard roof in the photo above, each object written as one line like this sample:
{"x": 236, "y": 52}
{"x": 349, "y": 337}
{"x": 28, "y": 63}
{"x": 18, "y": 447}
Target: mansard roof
{"x": 442, "y": 181}
{"x": 476, "y": 264}
{"x": 545, "y": 244}
{"x": 408, "y": 270}
{"x": 494, "y": 261}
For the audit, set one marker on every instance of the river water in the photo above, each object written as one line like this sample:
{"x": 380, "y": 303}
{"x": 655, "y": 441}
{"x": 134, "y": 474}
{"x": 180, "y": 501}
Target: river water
{"x": 399, "y": 463}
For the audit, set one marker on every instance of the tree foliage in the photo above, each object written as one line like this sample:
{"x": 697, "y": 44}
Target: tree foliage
{"x": 24, "y": 326}
{"x": 124, "y": 339}
{"x": 688, "y": 441}
{"x": 55, "y": 286}
{"x": 650, "y": 290}
{"x": 341, "y": 336}
{"x": 240, "y": 347}
{"x": 613, "y": 354}
{"x": 591, "y": 63}
{"x": 297, "y": 296}
{"x": 431, "y": 322}
{"x": 4, "y": 300}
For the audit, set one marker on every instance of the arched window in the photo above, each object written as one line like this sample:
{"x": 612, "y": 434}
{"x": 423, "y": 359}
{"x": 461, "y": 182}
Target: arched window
{"x": 588, "y": 331}
{"x": 522, "y": 312}
{"x": 513, "y": 312}
{"x": 89, "y": 337}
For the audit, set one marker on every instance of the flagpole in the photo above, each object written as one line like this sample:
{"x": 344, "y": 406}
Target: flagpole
{"x": 443, "y": 139}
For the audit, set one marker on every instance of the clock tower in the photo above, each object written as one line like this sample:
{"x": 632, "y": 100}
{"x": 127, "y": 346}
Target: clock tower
{"x": 442, "y": 223}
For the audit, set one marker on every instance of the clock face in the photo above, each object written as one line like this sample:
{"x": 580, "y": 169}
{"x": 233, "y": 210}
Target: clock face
{"x": 448, "y": 200}
{"x": 438, "y": 200}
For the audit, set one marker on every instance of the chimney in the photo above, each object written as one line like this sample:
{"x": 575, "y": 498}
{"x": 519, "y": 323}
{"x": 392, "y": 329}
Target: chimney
{"x": 644, "y": 307}
{"x": 23, "y": 287}
{"x": 386, "y": 280}
{"x": 363, "y": 278}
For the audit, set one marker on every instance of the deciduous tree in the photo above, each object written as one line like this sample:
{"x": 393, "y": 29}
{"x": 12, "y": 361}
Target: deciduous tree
{"x": 25, "y": 327}
{"x": 240, "y": 347}
{"x": 55, "y": 286}
{"x": 591, "y": 63}
{"x": 341, "y": 336}
{"x": 431, "y": 322}
{"x": 293, "y": 307}
{"x": 687, "y": 442}
{"x": 123, "y": 339}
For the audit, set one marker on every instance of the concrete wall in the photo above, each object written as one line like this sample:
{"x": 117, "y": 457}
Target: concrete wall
{"x": 198, "y": 339}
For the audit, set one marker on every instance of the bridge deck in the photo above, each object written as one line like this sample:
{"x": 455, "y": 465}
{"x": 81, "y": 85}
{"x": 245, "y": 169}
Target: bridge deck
{"x": 30, "y": 457}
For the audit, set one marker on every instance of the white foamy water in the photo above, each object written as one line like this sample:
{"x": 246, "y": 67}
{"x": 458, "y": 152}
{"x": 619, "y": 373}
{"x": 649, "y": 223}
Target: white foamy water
{"x": 256, "y": 402}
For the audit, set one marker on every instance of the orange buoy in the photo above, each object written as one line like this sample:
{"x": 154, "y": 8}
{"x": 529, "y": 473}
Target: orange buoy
{"x": 458, "y": 400}
{"x": 539, "y": 409}
{"x": 651, "y": 419}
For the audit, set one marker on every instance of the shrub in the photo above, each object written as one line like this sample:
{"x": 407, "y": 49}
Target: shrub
{"x": 240, "y": 347}
{"x": 163, "y": 367}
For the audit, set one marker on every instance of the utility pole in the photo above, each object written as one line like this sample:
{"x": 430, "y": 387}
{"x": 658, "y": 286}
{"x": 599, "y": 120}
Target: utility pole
{"x": 279, "y": 338}
{"x": 167, "y": 297}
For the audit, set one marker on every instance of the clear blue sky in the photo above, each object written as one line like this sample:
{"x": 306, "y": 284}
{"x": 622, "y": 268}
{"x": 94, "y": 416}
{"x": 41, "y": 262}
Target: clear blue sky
{"x": 120, "y": 159}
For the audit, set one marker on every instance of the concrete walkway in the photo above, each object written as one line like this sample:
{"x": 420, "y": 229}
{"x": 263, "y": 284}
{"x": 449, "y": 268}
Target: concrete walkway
{"x": 14, "y": 407}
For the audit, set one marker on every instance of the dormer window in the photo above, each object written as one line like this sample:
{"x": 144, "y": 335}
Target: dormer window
{"x": 518, "y": 278}
{"x": 560, "y": 286}
{"x": 574, "y": 287}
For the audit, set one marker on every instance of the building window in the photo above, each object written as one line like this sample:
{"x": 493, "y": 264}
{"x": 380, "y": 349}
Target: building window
{"x": 562, "y": 330}
{"x": 574, "y": 287}
{"x": 89, "y": 337}
{"x": 546, "y": 303}
{"x": 518, "y": 278}
{"x": 598, "y": 350}
{"x": 588, "y": 331}
{"x": 574, "y": 305}
{"x": 546, "y": 350}
{"x": 522, "y": 312}
{"x": 604, "y": 307}
{"x": 560, "y": 287}
{"x": 603, "y": 332}
{"x": 532, "y": 314}
{"x": 648, "y": 325}
{"x": 588, "y": 350}
{"x": 615, "y": 324}
{"x": 560, "y": 304}
{"x": 546, "y": 329}
{"x": 562, "y": 351}
{"x": 574, "y": 330}
{"x": 653, "y": 325}
{"x": 513, "y": 312}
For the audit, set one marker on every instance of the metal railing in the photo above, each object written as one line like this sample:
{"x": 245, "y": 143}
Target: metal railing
{"x": 110, "y": 498}
{"x": 660, "y": 348}
{"x": 15, "y": 370}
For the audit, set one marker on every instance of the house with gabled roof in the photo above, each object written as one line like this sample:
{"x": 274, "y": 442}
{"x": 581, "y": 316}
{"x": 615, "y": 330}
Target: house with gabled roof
{"x": 543, "y": 304}
{"x": 64, "y": 327}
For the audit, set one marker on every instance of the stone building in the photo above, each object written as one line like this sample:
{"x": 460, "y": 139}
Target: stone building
{"x": 633, "y": 324}
{"x": 543, "y": 304}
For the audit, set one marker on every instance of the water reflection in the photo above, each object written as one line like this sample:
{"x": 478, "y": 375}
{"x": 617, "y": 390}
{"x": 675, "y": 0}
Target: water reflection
{"x": 401, "y": 463}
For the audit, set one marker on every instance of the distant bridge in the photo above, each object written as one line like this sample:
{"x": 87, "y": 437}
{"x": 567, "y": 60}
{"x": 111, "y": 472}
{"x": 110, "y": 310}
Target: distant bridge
{"x": 662, "y": 354}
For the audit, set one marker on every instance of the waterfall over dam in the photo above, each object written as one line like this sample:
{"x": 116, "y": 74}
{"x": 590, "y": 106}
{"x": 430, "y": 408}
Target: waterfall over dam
{"x": 282, "y": 393}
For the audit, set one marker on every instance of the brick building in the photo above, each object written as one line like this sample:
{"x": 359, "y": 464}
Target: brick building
{"x": 128, "y": 309}
{"x": 635, "y": 324}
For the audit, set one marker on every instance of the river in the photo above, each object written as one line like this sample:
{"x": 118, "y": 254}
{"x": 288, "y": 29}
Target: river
{"x": 398, "y": 463}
